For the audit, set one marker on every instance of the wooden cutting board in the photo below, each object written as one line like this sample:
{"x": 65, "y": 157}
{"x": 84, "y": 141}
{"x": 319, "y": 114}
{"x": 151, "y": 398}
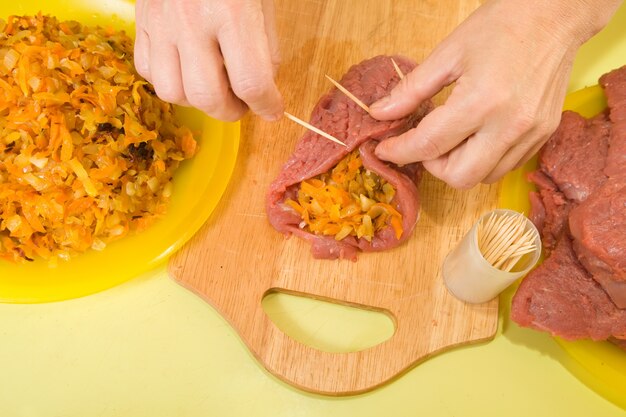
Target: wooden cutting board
{"x": 237, "y": 258}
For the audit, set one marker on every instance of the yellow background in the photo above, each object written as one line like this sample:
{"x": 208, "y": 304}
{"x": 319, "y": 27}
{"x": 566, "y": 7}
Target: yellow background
{"x": 150, "y": 348}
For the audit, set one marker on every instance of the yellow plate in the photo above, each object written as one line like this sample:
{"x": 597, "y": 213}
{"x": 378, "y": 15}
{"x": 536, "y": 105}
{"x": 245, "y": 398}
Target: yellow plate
{"x": 600, "y": 365}
{"x": 198, "y": 186}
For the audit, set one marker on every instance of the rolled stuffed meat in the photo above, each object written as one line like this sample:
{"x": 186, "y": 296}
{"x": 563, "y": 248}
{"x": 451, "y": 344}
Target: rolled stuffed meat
{"x": 344, "y": 199}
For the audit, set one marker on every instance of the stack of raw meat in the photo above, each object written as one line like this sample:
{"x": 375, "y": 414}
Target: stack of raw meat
{"x": 579, "y": 291}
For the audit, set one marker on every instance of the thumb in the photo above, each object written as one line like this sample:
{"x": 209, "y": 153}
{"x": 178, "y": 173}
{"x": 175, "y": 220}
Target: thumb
{"x": 426, "y": 80}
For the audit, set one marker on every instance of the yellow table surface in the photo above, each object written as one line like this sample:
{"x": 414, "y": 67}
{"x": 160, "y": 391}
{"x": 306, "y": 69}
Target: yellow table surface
{"x": 151, "y": 348}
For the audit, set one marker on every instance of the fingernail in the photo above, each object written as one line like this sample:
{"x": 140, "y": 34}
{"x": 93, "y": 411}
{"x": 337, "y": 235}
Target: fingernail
{"x": 380, "y": 151}
{"x": 381, "y": 104}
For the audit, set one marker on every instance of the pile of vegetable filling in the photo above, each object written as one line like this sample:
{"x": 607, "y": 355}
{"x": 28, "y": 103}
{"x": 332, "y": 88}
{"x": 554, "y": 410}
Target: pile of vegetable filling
{"x": 347, "y": 201}
{"x": 87, "y": 150}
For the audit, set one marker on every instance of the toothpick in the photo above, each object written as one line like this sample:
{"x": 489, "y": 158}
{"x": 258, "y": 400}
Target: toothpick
{"x": 314, "y": 129}
{"x": 487, "y": 232}
{"x": 523, "y": 243}
{"x": 349, "y": 94}
{"x": 513, "y": 261}
{"x": 398, "y": 70}
{"x": 513, "y": 252}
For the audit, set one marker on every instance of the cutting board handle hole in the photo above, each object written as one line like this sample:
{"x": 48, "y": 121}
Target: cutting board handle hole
{"x": 325, "y": 324}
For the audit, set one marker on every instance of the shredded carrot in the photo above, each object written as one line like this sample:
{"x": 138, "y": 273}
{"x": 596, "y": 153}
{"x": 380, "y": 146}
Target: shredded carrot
{"x": 87, "y": 150}
{"x": 347, "y": 201}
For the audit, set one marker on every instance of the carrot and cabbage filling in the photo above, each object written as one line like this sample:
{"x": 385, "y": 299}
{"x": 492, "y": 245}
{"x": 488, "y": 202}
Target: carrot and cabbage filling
{"x": 87, "y": 150}
{"x": 347, "y": 201}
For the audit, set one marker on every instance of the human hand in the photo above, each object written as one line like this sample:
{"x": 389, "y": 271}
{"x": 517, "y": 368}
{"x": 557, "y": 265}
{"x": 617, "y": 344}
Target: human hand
{"x": 219, "y": 56}
{"x": 511, "y": 62}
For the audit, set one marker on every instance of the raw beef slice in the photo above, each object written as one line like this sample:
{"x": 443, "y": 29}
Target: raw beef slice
{"x": 598, "y": 226}
{"x": 560, "y": 297}
{"x": 339, "y": 116}
{"x": 614, "y": 84}
{"x": 575, "y": 155}
{"x": 549, "y": 210}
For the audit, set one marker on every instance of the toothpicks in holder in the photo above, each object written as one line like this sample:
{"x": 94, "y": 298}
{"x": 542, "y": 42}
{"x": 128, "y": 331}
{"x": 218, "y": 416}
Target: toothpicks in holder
{"x": 500, "y": 248}
{"x": 503, "y": 240}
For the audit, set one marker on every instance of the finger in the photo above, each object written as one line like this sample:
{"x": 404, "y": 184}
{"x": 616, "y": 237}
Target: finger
{"x": 142, "y": 54}
{"x": 139, "y": 13}
{"x": 525, "y": 148}
{"x": 438, "y": 133}
{"x": 512, "y": 159}
{"x": 205, "y": 82}
{"x": 426, "y": 80}
{"x": 166, "y": 73}
{"x": 246, "y": 53}
{"x": 469, "y": 163}
{"x": 529, "y": 155}
{"x": 142, "y": 41}
{"x": 269, "y": 15}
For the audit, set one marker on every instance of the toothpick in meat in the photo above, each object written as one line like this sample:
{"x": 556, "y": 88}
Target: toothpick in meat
{"x": 398, "y": 70}
{"x": 349, "y": 94}
{"x": 314, "y": 129}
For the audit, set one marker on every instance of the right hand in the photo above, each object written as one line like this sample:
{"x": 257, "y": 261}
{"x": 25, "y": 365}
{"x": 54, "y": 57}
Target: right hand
{"x": 218, "y": 56}
{"x": 510, "y": 62}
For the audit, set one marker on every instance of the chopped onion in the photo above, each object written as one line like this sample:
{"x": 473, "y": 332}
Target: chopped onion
{"x": 39, "y": 162}
{"x": 10, "y": 59}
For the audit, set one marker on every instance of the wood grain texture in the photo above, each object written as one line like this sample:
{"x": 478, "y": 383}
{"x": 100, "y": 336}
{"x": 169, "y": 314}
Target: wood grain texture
{"x": 237, "y": 258}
